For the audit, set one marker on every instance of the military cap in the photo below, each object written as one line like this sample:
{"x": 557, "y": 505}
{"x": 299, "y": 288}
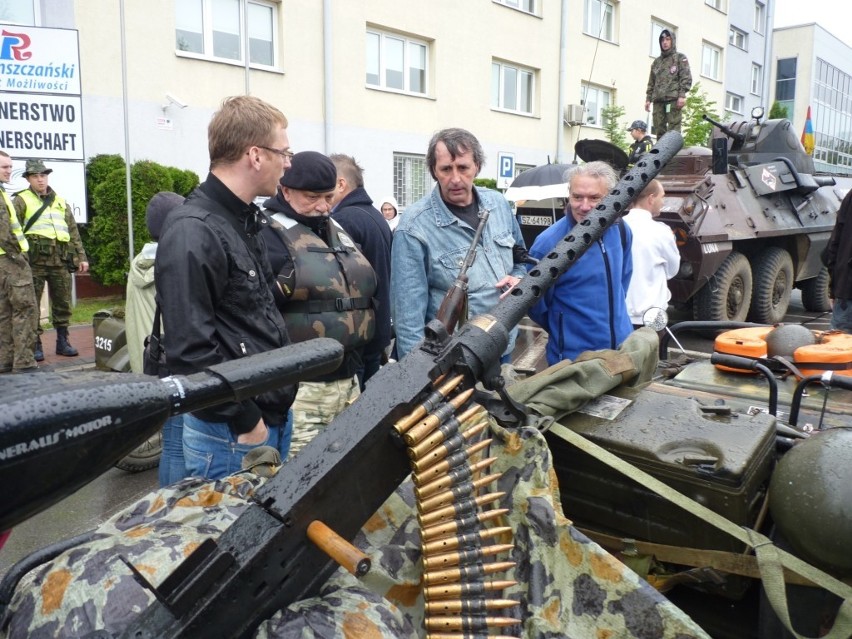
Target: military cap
{"x": 34, "y": 167}
{"x": 310, "y": 171}
{"x": 638, "y": 124}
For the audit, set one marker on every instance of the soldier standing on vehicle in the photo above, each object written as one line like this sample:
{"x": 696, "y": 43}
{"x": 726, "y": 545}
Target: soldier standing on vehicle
{"x": 18, "y": 308}
{"x": 668, "y": 83}
{"x": 329, "y": 286}
{"x": 642, "y": 142}
{"x": 55, "y": 252}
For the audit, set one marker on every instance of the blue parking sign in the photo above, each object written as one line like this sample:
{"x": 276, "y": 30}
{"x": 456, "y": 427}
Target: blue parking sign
{"x": 505, "y": 169}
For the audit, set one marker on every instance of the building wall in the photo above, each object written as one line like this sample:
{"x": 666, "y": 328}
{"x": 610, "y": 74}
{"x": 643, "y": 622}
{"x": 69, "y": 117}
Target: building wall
{"x": 371, "y": 124}
{"x": 823, "y": 83}
{"x": 739, "y": 62}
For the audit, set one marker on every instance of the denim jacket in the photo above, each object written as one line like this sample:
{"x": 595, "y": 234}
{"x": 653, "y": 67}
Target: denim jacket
{"x": 428, "y": 248}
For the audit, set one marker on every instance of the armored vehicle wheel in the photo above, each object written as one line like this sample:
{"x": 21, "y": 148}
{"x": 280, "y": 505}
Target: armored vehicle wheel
{"x": 726, "y": 297}
{"x": 144, "y": 456}
{"x": 773, "y": 283}
{"x": 815, "y": 293}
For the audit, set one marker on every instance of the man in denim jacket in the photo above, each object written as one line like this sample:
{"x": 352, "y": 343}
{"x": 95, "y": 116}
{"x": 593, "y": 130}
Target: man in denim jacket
{"x": 435, "y": 234}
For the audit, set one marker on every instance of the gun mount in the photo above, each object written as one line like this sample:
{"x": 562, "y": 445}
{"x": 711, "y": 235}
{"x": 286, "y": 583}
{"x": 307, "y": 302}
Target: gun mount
{"x": 264, "y": 561}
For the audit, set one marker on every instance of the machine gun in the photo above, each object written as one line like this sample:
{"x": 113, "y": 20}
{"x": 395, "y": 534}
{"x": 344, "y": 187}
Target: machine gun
{"x": 454, "y": 305}
{"x": 265, "y": 560}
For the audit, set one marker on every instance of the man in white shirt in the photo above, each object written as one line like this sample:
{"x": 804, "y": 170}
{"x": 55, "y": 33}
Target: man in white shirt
{"x": 655, "y": 256}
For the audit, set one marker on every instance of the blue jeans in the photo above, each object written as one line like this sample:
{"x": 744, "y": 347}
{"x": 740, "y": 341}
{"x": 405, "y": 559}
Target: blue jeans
{"x": 211, "y": 450}
{"x": 841, "y": 316}
{"x": 172, "y": 465}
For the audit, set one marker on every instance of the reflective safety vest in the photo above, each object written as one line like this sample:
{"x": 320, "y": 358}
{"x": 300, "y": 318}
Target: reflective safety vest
{"x": 51, "y": 223}
{"x": 16, "y": 225}
{"x": 331, "y": 289}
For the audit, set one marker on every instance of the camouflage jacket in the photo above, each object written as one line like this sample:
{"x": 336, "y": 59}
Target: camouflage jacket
{"x": 670, "y": 77}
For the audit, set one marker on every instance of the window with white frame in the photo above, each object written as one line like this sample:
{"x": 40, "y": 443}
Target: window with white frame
{"x": 594, "y": 99}
{"x": 711, "y": 57}
{"x": 738, "y": 39}
{"x": 716, "y": 4}
{"x": 214, "y": 29}
{"x": 656, "y": 29}
{"x": 599, "y": 21}
{"x": 512, "y": 88}
{"x": 756, "y": 79}
{"x": 397, "y": 62}
{"x": 411, "y": 179}
{"x": 18, "y": 12}
{"x": 523, "y": 5}
{"x": 759, "y": 16}
{"x": 733, "y": 103}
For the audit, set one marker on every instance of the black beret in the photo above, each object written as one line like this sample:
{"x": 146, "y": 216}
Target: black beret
{"x": 310, "y": 171}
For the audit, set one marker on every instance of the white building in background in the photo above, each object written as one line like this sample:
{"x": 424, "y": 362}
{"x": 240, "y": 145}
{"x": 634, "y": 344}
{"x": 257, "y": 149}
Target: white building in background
{"x": 813, "y": 68}
{"x": 747, "y": 56}
{"x": 376, "y": 78}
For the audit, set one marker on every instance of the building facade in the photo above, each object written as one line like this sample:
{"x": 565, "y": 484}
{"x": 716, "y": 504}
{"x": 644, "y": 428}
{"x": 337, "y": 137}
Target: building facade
{"x": 747, "y": 56}
{"x": 375, "y": 78}
{"x": 813, "y": 68}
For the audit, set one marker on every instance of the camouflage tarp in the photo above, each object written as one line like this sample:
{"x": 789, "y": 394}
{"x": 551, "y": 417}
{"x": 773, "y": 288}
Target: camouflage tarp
{"x": 568, "y": 586}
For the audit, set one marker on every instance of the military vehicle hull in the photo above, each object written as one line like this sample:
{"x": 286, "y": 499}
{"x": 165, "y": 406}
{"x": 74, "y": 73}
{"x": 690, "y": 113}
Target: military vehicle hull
{"x": 751, "y": 219}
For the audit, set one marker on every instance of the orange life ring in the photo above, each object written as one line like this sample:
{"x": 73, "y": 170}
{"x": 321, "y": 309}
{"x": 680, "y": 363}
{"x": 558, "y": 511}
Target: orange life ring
{"x": 833, "y": 350}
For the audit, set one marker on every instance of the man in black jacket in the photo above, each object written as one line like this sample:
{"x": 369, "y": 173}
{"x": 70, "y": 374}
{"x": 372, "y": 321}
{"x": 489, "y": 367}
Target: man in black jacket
{"x": 215, "y": 288}
{"x": 838, "y": 259}
{"x": 354, "y": 211}
{"x": 642, "y": 142}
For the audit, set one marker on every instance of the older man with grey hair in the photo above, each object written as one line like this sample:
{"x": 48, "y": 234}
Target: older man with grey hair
{"x": 586, "y": 310}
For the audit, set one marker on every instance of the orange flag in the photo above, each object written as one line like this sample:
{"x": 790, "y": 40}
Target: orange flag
{"x": 808, "y": 135}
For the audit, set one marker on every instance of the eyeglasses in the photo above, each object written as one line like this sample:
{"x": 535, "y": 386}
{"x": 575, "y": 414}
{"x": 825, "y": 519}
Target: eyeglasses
{"x": 284, "y": 153}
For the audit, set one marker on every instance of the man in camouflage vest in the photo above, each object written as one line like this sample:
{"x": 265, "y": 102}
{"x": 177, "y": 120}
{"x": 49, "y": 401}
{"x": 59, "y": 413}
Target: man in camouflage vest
{"x": 668, "y": 83}
{"x": 329, "y": 286}
{"x": 18, "y": 309}
{"x": 56, "y": 250}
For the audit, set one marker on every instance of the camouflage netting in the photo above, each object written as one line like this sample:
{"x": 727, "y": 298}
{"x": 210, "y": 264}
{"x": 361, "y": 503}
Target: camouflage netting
{"x": 568, "y": 586}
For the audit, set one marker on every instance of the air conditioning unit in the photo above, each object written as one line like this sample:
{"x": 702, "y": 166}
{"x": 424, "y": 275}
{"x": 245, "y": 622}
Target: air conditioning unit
{"x": 572, "y": 114}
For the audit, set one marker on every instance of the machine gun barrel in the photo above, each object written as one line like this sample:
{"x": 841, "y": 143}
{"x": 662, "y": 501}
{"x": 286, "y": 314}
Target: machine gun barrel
{"x": 265, "y": 561}
{"x": 59, "y": 433}
{"x": 739, "y": 137}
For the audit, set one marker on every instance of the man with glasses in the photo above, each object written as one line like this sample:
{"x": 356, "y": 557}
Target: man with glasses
{"x": 216, "y": 290}
{"x": 586, "y": 309}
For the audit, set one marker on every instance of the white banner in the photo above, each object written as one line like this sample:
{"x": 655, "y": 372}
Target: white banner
{"x": 48, "y": 127}
{"x": 39, "y": 60}
{"x": 41, "y": 115}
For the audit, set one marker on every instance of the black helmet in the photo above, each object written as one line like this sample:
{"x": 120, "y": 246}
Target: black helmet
{"x": 809, "y": 498}
{"x": 784, "y": 339}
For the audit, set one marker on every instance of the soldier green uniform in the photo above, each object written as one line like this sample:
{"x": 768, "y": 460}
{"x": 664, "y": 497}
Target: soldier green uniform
{"x": 55, "y": 252}
{"x": 18, "y": 309}
{"x": 670, "y": 80}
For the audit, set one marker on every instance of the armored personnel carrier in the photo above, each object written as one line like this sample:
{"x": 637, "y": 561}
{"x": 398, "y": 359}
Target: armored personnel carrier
{"x": 751, "y": 219}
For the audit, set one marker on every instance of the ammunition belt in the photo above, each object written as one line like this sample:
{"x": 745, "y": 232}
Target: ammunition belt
{"x": 461, "y": 589}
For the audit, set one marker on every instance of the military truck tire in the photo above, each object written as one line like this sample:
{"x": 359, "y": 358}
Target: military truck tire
{"x": 144, "y": 456}
{"x": 772, "y": 269}
{"x": 727, "y": 296}
{"x": 815, "y": 293}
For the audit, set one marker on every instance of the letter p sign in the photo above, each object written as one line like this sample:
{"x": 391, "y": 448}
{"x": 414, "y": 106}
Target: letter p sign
{"x": 505, "y": 170}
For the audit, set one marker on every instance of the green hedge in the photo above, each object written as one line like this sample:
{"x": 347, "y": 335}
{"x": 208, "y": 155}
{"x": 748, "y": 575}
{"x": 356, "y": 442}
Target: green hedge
{"x": 106, "y": 238}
